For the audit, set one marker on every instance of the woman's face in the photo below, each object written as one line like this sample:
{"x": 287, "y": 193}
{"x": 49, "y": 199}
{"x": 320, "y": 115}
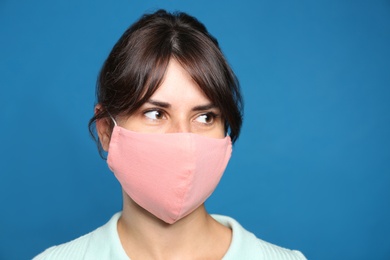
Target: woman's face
{"x": 178, "y": 105}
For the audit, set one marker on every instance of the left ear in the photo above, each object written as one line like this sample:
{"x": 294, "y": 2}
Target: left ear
{"x": 103, "y": 128}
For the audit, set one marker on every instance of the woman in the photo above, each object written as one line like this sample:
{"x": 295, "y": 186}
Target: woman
{"x": 168, "y": 110}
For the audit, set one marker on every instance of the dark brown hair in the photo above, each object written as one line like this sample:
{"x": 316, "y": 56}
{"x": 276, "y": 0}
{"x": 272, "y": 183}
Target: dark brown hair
{"x": 137, "y": 63}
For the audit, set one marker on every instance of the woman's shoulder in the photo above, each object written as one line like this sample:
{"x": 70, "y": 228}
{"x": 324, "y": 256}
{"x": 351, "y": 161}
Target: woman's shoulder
{"x": 69, "y": 250}
{"x": 101, "y": 243}
{"x": 245, "y": 245}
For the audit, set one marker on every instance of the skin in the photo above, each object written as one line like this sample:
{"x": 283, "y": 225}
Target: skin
{"x": 178, "y": 105}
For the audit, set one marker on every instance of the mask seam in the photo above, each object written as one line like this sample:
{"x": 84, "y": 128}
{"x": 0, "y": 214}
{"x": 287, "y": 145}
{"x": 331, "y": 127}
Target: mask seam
{"x": 188, "y": 181}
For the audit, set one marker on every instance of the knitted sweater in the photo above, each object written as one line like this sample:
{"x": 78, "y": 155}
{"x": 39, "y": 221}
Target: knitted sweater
{"x": 104, "y": 243}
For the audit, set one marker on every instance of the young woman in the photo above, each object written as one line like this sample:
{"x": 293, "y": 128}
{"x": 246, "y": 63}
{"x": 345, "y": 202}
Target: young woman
{"x": 168, "y": 109}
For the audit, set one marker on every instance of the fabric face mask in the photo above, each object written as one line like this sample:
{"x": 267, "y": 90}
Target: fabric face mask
{"x": 169, "y": 175}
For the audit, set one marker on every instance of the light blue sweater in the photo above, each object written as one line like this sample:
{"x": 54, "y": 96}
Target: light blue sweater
{"x": 103, "y": 243}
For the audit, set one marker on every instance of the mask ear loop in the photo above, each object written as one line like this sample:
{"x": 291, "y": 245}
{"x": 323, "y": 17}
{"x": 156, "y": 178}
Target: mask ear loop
{"x": 112, "y": 118}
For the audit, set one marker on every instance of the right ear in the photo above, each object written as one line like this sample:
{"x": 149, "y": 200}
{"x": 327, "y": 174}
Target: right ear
{"x": 103, "y": 128}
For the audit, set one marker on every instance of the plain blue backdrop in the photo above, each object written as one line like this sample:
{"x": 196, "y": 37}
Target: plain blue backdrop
{"x": 311, "y": 170}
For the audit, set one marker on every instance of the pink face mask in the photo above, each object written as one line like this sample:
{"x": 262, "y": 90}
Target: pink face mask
{"x": 169, "y": 175}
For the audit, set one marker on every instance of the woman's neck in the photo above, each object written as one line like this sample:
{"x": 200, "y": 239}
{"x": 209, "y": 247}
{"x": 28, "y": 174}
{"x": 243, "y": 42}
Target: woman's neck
{"x": 197, "y": 236}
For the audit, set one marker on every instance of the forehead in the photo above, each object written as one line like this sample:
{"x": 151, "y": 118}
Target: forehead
{"x": 177, "y": 86}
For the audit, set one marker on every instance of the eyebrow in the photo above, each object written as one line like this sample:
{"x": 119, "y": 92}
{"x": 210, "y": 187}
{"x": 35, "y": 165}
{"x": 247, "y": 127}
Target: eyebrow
{"x": 167, "y": 105}
{"x": 159, "y": 103}
{"x": 204, "y": 107}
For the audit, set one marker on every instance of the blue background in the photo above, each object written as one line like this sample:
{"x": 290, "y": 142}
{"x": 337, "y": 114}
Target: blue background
{"x": 311, "y": 170}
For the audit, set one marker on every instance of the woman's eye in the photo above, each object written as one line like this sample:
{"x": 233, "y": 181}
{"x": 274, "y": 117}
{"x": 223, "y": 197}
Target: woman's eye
{"x": 206, "y": 118}
{"x": 154, "y": 115}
